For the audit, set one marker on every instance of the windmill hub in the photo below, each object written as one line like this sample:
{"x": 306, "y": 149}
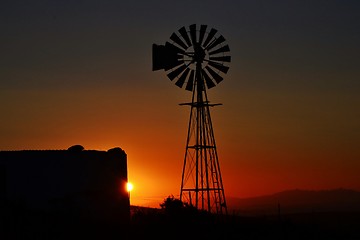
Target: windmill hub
{"x": 199, "y": 53}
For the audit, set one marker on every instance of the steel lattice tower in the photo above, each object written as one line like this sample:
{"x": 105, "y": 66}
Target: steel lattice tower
{"x": 196, "y": 58}
{"x": 201, "y": 181}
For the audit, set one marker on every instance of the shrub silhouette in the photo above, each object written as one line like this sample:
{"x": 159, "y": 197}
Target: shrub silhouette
{"x": 175, "y": 210}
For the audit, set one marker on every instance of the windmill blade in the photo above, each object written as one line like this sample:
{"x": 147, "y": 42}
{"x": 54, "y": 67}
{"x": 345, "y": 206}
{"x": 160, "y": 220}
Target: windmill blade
{"x": 185, "y": 35}
{"x": 219, "y": 66}
{"x": 217, "y": 41}
{"x": 221, "y": 58}
{"x": 177, "y": 40}
{"x": 193, "y": 33}
{"x": 214, "y": 75}
{"x": 220, "y": 50}
{"x": 182, "y": 78}
{"x": 176, "y": 72}
{"x": 208, "y": 81}
{"x": 202, "y": 33}
{"x": 211, "y": 34}
{"x": 190, "y": 83}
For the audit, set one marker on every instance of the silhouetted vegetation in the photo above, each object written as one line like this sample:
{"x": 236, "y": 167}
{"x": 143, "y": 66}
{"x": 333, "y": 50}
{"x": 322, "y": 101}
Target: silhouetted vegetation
{"x": 172, "y": 211}
{"x": 176, "y": 220}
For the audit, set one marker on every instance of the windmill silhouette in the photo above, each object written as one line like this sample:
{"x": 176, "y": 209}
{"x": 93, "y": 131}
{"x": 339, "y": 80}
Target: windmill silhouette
{"x": 196, "y": 58}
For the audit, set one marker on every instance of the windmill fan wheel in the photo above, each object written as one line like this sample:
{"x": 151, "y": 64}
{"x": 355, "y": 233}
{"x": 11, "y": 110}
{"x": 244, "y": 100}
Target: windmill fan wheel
{"x": 192, "y": 52}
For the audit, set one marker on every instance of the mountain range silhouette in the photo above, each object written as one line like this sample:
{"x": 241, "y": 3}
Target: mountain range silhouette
{"x": 297, "y": 201}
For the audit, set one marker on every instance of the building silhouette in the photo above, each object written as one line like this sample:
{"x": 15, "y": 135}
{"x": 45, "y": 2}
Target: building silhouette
{"x": 45, "y": 193}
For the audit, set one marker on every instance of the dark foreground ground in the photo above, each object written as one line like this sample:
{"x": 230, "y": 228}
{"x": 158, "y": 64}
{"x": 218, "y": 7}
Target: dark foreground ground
{"x": 151, "y": 225}
{"x": 345, "y": 225}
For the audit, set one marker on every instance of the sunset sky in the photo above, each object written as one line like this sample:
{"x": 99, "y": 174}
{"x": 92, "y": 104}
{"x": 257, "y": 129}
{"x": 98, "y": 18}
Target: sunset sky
{"x": 80, "y": 72}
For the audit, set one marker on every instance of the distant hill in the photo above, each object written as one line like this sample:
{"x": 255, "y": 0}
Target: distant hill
{"x": 297, "y": 201}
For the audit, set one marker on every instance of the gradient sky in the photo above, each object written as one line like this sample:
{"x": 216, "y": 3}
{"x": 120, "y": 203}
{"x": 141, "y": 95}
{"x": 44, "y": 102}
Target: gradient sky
{"x": 80, "y": 72}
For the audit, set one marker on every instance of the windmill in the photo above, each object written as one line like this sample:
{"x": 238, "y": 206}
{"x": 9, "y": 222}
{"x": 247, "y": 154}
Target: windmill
{"x": 195, "y": 59}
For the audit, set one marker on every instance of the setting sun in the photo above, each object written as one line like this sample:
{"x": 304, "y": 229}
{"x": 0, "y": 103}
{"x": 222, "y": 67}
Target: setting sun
{"x": 129, "y": 186}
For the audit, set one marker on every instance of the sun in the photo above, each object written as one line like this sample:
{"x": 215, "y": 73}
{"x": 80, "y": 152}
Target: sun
{"x": 129, "y": 186}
